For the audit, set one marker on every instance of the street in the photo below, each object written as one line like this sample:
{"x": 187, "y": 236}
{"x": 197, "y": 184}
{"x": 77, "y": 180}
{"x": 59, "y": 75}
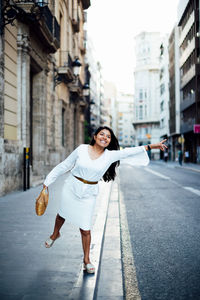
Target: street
{"x": 163, "y": 208}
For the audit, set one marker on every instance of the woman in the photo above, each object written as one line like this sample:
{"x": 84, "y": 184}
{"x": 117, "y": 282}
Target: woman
{"x": 87, "y": 165}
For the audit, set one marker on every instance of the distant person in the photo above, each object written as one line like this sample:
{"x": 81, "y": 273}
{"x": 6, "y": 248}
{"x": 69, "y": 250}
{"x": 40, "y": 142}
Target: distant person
{"x": 86, "y": 165}
{"x": 166, "y": 156}
{"x": 180, "y": 157}
{"x": 187, "y": 156}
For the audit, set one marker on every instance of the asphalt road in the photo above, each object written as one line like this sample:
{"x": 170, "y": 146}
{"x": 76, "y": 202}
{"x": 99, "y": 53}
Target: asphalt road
{"x": 163, "y": 212}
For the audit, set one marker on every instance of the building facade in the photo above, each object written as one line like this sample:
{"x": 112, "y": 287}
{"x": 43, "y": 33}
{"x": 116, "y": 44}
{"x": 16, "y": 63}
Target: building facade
{"x": 125, "y": 130}
{"x": 189, "y": 47}
{"x": 147, "y": 99}
{"x": 164, "y": 93}
{"x": 97, "y": 112}
{"x": 175, "y": 139}
{"x": 110, "y": 95}
{"x": 42, "y": 105}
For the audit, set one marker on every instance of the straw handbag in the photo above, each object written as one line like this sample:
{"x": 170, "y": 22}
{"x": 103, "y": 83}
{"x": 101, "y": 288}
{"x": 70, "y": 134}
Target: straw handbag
{"x": 42, "y": 202}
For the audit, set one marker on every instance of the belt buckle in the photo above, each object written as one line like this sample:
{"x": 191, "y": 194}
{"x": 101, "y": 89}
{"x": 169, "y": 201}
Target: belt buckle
{"x": 85, "y": 181}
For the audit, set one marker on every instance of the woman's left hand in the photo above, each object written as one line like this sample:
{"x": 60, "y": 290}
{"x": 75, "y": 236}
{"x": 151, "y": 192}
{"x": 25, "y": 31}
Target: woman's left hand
{"x": 161, "y": 145}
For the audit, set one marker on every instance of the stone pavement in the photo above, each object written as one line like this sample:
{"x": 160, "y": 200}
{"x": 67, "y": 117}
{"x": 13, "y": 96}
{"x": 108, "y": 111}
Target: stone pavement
{"x": 29, "y": 271}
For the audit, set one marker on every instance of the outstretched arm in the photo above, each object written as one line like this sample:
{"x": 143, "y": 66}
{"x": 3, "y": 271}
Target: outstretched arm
{"x": 136, "y": 155}
{"x": 61, "y": 168}
{"x": 159, "y": 145}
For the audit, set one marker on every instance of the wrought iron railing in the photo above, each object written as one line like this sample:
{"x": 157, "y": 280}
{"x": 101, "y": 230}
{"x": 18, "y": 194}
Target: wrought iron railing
{"x": 24, "y": 1}
{"x": 48, "y": 17}
{"x": 56, "y": 30}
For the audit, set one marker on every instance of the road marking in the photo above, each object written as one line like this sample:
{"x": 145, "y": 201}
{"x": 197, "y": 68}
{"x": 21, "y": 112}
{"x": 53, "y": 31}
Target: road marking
{"x": 157, "y": 174}
{"x": 197, "y": 192}
{"x": 130, "y": 278}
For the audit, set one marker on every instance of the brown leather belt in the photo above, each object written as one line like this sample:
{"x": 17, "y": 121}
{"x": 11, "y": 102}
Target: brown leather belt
{"x": 86, "y": 181}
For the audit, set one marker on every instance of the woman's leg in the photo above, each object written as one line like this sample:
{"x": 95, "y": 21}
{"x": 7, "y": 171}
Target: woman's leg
{"x": 86, "y": 240}
{"x": 58, "y": 224}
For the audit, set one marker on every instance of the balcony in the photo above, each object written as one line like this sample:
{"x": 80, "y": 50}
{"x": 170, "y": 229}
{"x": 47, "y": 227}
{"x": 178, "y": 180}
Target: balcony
{"x": 26, "y": 5}
{"x": 188, "y": 76}
{"x": 41, "y": 22}
{"x": 187, "y": 126}
{"x": 187, "y": 102}
{"x": 85, "y": 4}
{"x": 188, "y": 51}
{"x": 186, "y": 28}
{"x": 65, "y": 70}
{"x": 76, "y": 87}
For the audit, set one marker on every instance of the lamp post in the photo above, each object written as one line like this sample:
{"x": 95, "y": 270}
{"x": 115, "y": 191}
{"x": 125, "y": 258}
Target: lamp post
{"x": 41, "y": 3}
{"x": 76, "y": 67}
{"x": 86, "y": 90}
{"x": 11, "y": 10}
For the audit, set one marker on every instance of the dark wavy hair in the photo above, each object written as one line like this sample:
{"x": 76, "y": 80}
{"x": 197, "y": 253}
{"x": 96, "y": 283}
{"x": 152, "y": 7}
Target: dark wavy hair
{"x": 114, "y": 145}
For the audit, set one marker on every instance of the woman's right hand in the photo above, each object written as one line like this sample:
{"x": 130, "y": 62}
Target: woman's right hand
{"x": 44, "y": 186}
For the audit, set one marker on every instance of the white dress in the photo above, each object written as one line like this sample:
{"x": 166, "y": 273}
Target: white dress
{"x": 77, "y": 199}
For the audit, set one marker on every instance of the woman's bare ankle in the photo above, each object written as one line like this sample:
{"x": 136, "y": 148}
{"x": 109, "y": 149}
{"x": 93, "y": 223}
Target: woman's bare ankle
{"x": 86, "y": 261}
{"x": 55, "y": 236}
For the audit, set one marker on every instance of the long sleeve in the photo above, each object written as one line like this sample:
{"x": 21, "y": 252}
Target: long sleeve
{"x": 62, "y": 168}
{"x": 136, "y": 156}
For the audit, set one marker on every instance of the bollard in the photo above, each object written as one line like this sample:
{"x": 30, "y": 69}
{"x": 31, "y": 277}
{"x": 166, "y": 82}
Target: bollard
{"x": 26, "y": 179}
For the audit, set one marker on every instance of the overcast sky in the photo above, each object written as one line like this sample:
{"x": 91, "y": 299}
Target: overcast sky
{"x": 113, "y": 24}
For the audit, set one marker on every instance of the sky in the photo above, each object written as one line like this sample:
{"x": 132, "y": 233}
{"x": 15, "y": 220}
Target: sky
{"x": 112, "y": 26}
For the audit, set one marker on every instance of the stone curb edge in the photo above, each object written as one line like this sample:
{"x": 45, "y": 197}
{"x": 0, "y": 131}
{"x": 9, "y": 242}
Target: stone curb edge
{"x": 130, "y": 284}
{"x": 85, "y": 287}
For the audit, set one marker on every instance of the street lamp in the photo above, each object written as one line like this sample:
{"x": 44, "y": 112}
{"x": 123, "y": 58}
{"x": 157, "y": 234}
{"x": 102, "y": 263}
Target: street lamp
{"x": 41, "y": 3}
{"x": 76, "y": 67}
{"x": 86, "y": 90}
{"x": 22, "y": 9}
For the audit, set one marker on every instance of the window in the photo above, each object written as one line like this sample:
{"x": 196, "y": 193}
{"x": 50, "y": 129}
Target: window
{"x": 162, "y": 123}
{"x": 140, "y": 112}
{"x": 162, "y": 88}
{"x": 136, "y": 112}
{"x": 162, "y": 106}
{"x": 140, "y": 94}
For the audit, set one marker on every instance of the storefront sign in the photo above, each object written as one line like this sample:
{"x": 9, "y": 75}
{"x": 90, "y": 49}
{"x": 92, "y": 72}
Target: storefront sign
{"x": 196, "y": 128}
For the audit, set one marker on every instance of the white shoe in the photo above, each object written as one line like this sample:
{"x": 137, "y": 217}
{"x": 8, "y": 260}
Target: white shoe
{"x": 89, "y": 268}
{"x": 49, "y": 242}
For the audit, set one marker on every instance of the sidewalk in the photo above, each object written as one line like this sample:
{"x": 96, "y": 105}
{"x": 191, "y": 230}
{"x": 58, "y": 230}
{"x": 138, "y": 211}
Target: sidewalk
{"x": 174, "y": 164}
{"x": 29, "y": 271}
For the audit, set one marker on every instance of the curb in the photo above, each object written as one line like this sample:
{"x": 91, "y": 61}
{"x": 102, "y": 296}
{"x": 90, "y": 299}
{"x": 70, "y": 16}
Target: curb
{"x": 86, "y": 284}
{"x": 188, "y": 168}
{"x": 130, "y": 283}
{"x": 110, "y": 279}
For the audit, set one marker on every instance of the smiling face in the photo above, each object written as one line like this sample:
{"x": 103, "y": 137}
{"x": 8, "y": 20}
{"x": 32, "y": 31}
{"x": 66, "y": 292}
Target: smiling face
{"x": 103, "y": 138}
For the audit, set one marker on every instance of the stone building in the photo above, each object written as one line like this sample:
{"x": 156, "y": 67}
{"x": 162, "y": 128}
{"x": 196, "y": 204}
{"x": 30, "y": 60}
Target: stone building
{"x": 41, "y": 100}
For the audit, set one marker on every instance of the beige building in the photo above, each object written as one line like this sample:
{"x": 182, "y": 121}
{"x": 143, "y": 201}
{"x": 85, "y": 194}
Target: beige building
{"x": 41, "y": 100}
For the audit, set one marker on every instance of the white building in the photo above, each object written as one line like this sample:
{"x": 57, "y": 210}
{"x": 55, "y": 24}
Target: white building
{"x": 110, "y": 96}
{"x": 95, "y": 93}
{"x": 164, "y": 88}
{"x": 175, "y": 140}
{"x": 125, "y": 130}
{"x": 147, "y": 101}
